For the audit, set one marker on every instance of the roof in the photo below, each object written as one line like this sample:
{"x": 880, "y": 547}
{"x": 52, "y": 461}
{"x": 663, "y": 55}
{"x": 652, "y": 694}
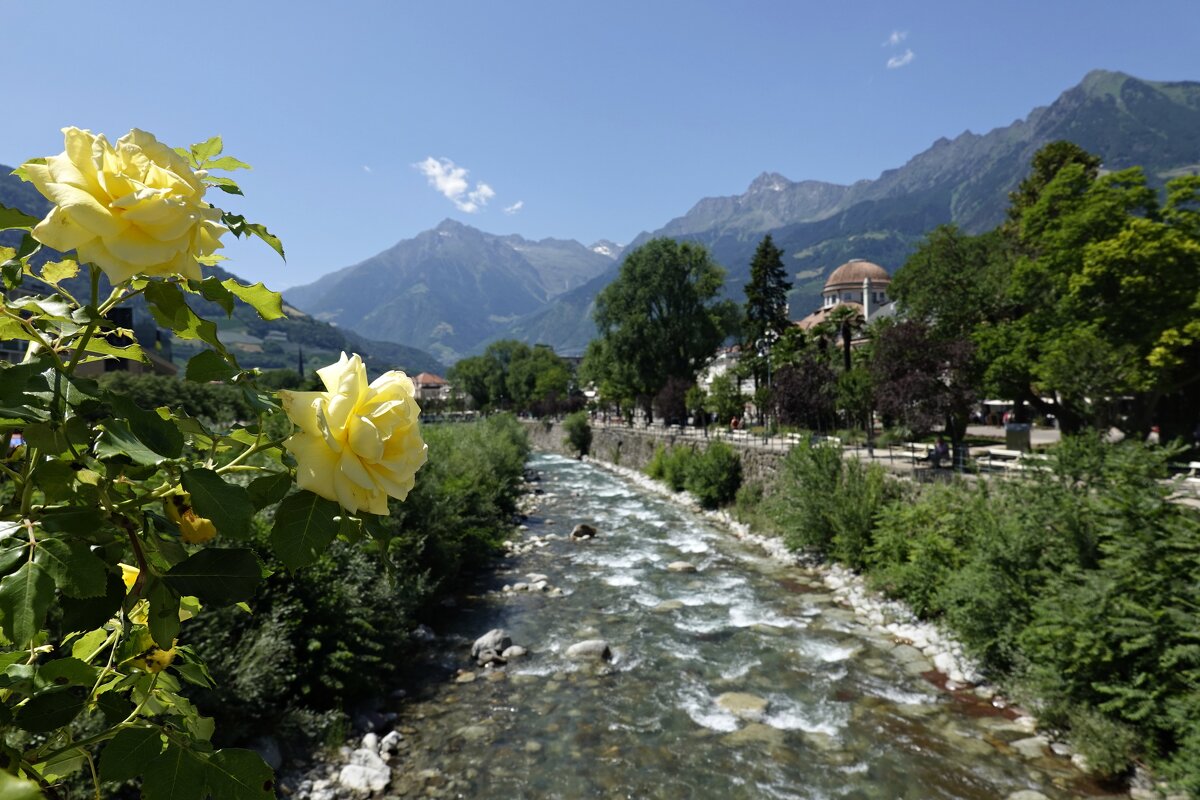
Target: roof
{"x": 855, "y": 271}
{"x": 820, "y": 315}
{"x": 429, "y": 379}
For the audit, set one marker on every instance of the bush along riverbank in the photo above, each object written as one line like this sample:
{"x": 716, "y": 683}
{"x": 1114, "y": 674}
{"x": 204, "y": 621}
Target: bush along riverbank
{"x": 331, "y": 638}
{"x": 1077, "y": 591}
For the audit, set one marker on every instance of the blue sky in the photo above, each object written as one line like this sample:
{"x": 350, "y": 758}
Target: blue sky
{"x": 571, "y": 119}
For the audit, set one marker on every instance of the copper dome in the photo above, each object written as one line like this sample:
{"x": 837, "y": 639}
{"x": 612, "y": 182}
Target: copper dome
{"x": 854, "y": 271}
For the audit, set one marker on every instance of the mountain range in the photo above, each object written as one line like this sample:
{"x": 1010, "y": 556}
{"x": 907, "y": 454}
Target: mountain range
{"x": 453, "y": 289}
{"x": 255, "y": 342}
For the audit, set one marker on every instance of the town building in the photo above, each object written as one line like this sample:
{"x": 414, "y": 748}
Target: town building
{"x": 858, "y": 283}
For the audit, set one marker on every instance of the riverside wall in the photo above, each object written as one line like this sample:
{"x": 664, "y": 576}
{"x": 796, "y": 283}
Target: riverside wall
{"x": 633, "y": 448}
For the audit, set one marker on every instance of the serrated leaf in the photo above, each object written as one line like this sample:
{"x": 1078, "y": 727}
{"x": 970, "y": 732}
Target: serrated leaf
{"x": 235, "y": 774}
{"x": 239, "y": 227}
{"x": 214, "y": 291}
{"x": 305, "y": 524}
{"x": 158, "y": 434}
{"x": 217, "y": 575}
{"x": 102, "y": 347}
{"x": 25, "y": 596}
{"x": 269, "y": 489}
{"x": 171, "y": 310}
{"x": 12, "y": 218}
{"x": 226, "y": 504}
{"x": 75, "y": 569}
{"x": 206, "y": 150}
{"x": 52, "y": 708}
{"x": 54, "y": 271}
{"x": 228, "y": 163}
{"x": 13, "y": 550}
{"x": 129, "y": 753}
{"x": 267, "y": 303}
{"x": 83, "y": 647}
{"x": 227, "y": 185}
{"x": 207, "y": 365}
{"x": 177, "y": 774}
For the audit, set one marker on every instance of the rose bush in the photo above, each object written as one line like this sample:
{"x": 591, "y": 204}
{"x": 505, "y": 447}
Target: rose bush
{"x": 358, "y": 443}
{"x": 118, "y": 522}
{"x": 137, "y": 208}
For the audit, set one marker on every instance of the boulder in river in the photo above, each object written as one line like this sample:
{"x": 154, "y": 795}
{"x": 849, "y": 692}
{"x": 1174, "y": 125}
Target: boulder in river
{"x": 681, "y": 566}
{"x": 590, "y": 649}
{"x": 743, "y": 705}
{"x": 516, "y": 651}
{"x": 495, "y": 640}
{"x": 583, "y": 531}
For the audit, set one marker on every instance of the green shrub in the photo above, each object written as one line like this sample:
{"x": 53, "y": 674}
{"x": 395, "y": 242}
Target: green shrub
{"x": 656, "y": 468}
{"x": 676, "y": 465}
{"x": 1108, "y": 746}
{"x": 747, "y": 501}
{"x": 579, "y": 432}
{"x": 714, "y": 475}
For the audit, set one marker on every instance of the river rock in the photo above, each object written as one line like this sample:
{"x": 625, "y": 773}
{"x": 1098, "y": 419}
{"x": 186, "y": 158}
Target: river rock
{"x": 743, "y": 705}
{"x": 535, "y": 577}
{"x": 583, "y": 531}
{"x": 366, "y": 772}
{"x": 516, "y": 651}
{"x": 465, "y": 677}
{"x": 681, "y": 566}
{"x": 495, "y": 640}
{"x": 590, "y": 649}
{"x": 1027, "y": 794}
{"x": 390, "y": 743}
{"x": 668, "y": 605}
{"x": 1032, "y": 747}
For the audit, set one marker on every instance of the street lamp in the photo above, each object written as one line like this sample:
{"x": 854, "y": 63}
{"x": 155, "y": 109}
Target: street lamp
{"x": 764, "y": 346}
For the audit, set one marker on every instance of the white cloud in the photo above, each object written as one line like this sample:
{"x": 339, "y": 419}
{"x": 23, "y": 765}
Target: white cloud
{"x": 451, "y": 180}
{"x": 515, "y": 207}
{"x": 896, "y": 62}
{"x": 366, "y": 169}
{"x": 895, "y": 38}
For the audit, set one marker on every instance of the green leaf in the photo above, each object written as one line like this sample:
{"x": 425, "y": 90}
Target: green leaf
{"x": 239, "y": 227}
{"x": 54, "y": 271}
{"x": 129, "y": 753}
{"x": 213, "y": 290}
{"x": 177, "y": 774}
{"x": 269, "y": 489}
{"x": 305, "y": 524}
{"x": 204, "y": 151}
{"x": 268, "y": 304}
{"x": 25, "y": 597}
{"x": 12, "y": 548}
{"x": 83, "y": 647}
{"x": 226, "y": 504}
{"x": 75, "y": 521}
{"x": 207, "y": 365}
{"x": 91, "y": 613}
{"x": 171, "y": 310}
{"x": 53, "y": 708}
{"x": 14, "y": 788}
{"x": 228, "y": 163}
{"x": 76, "y": 570}
{"x": 12, "y": 218}
{"x": 103, "y": 347}
{"x": 227, "y": 185}
{"x": 159, "y": 434}
{"x": 117, "y": 440}
{"x": 68, "y": 671}
{"x": 163, "y": 619}
{"x": 217, "y": 575}
{"x": 235, "y": 774}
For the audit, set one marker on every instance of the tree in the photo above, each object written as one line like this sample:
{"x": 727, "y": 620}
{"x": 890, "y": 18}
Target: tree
{"x": 660, "y": 318}
{"x": 725, "y": 399}
{"x": 923, "y": 380}
{"x": 846, "y": 320}
{"x": 766, "y": 315}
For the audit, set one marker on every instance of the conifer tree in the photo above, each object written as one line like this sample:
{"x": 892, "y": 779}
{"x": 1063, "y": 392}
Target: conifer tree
{"x": 766, "y": 305}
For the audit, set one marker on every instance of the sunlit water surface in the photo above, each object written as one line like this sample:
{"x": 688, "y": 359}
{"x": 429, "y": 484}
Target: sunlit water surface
{"x": 849, "y": 715}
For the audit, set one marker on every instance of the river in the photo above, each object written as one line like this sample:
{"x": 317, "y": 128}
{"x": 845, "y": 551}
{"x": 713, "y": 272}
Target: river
{"x": 849, "y": 713}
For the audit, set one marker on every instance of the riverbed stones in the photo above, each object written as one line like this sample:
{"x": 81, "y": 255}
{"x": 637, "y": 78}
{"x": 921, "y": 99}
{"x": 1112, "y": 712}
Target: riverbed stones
{"x": 755, "y": 733}
{"x": 465, "y": 677}
{"x": 590, "y": 650}
{"x": 744, "y": 705}
{"x": 667, "y": 606}
{"x": 1027, "y": 794}
{"x": 495, "y": 640}
{"x": 1031, "y": 747}
{"x": 681, "y": 566}
{"x": 583, "y": 531}
{"x": 514, "y": 651}
{"x": 366, "y": 772}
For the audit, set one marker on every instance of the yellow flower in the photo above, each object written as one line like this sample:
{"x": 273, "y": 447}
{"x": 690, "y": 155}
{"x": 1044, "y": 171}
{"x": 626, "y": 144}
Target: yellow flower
{"x": 193, "y": 528}
{"x": 155, "y": 659}
{"x": 129, "y": 575}
{"x": 357, "y": 443}
{"x": 137, "y": 208}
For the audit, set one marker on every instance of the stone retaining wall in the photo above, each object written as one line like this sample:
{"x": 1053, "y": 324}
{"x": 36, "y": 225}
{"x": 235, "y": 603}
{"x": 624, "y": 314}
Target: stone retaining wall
{"x": 629, "y": 447}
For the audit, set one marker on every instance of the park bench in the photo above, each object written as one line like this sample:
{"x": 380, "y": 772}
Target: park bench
{"x": 918, "y": 451}
{"x": 1000, "y": 458}
{"x": 1190, "y": 472}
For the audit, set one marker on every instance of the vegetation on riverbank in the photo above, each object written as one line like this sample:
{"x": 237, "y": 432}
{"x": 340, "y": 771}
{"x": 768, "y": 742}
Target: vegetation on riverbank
{"x": 1077, "y": 589}
{"x": 322, "y": 639}
{"x": 713, "y": 475}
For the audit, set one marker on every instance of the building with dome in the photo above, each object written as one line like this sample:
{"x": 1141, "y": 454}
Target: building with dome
{"x": 858, "y": 283}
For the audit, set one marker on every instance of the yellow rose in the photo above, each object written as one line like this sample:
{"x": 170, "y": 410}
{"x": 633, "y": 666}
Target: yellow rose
{"x": 193, "y": 528}
{"x": 137, "y": 208}
{"x": 358, "y": 443}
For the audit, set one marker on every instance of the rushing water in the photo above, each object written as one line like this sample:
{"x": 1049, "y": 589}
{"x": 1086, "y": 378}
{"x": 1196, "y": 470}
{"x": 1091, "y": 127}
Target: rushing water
{"x": 849, "y": 715}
